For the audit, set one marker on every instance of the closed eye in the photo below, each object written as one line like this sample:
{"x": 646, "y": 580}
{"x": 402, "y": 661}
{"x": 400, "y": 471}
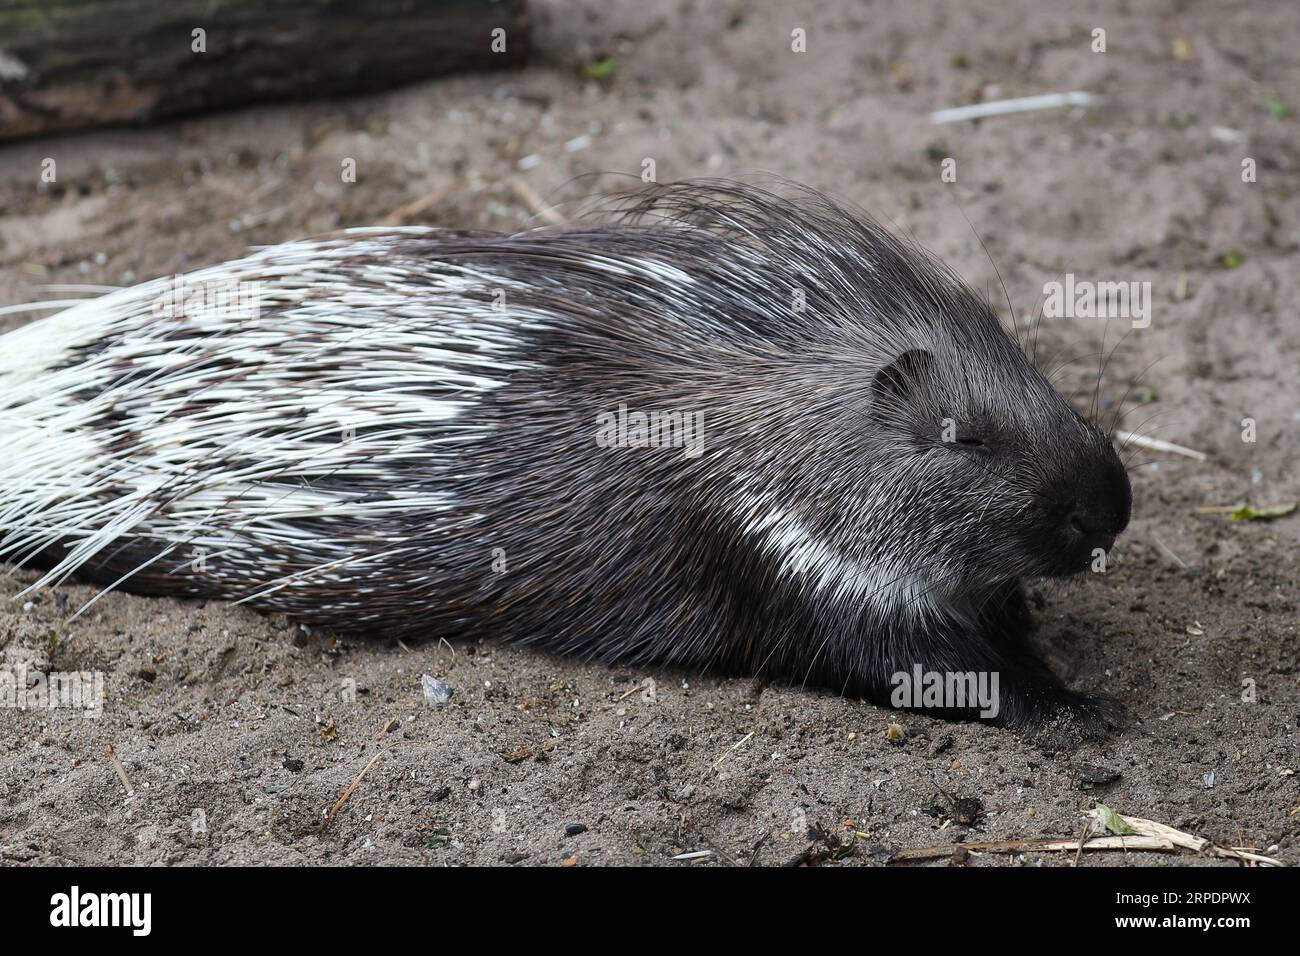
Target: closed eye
{"x": 971, "y": 442}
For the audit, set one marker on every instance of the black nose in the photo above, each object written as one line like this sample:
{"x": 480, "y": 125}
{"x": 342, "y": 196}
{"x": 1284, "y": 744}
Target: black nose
{"x": 1103, "y": 500}
{"x": 1098, "y": 530}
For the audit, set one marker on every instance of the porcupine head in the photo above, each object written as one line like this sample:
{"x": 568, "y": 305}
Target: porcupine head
{"x": 914, "y": 468}
{"x": 942, "y": 470}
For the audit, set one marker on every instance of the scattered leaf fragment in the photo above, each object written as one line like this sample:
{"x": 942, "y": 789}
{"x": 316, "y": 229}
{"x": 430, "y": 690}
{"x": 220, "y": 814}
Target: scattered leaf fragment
{"x": 1275, "y": 107}
{"x": 1249, "y": 513}
{"x": 1114, "y": 822}
{"x": 602, "y": 69}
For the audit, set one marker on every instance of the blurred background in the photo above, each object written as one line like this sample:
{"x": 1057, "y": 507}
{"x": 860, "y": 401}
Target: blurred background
{"x": 539, "y": 103}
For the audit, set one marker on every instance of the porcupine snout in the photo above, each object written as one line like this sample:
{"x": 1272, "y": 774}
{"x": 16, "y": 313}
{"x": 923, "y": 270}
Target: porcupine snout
{"x": 1102, "y": 511}
{"x": 1098, "y": 506}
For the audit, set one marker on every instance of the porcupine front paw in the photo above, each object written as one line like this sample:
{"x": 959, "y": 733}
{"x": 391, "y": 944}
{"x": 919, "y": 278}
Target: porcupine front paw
{"x": 1038, "y": 705}
{"x": 1072, "y": 719}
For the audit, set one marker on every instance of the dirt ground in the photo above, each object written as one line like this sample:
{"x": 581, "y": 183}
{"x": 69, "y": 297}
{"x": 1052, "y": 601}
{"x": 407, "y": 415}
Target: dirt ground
{"x": 239, "y": 732}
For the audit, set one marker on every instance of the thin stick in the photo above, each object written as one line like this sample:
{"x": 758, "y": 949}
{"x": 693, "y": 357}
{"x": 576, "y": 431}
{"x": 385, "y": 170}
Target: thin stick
{"x": 1147, "y": 835}
{"x": 1024, "y": 104}
{"x": 347, "y": 794}
{"x": 409, "y": 210}
{"x": 1169, "y": 551}
{"x": 736, "y": 746}
{"x": 694, "y": 855}
{"x": 1188, "y": 841}
{"x": 1045, "y": 844}
{"x": 1158, "y": 444}
{"x": 121, "y": 771}
{"x": 1083, "y": 838}
{"x": 535, "y": 202}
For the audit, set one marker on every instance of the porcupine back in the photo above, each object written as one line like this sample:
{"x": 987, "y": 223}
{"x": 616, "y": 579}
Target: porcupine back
{"x": 402, "y": 439}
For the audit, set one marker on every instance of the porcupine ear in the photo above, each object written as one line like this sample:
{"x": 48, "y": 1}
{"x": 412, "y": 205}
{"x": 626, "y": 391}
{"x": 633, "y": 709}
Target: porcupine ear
{"x": 901, "y": 376}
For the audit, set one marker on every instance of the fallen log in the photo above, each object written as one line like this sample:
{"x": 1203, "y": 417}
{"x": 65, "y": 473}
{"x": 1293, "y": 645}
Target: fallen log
{"x": 70, "y": 64}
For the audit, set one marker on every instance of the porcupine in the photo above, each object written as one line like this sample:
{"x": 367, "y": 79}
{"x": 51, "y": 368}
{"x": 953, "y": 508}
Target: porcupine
{"x": 397, "y": 433}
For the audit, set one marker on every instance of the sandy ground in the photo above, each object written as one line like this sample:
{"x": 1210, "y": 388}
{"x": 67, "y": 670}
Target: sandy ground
{"x": 239, "y": 732}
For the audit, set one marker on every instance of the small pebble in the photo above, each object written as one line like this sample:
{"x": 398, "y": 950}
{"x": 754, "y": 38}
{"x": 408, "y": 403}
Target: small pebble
{"x": 573, "y": 829}
{"x": 940, "y": 745}
{"x": 967, "y": 810}
{"x": 1096, "y": 776}
{"x": 436, "y": 693}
